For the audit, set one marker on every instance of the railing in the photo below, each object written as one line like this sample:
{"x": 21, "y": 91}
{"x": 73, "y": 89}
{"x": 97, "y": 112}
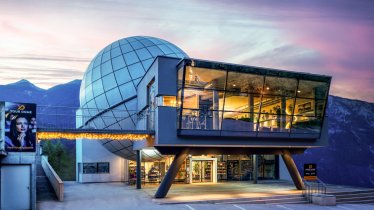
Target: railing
{"x": 54, "y": 179}
{"x": 73, "y": 117}
{"x": 313, "y": 187}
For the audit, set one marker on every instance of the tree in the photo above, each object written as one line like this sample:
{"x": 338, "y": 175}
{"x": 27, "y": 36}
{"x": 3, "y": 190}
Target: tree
{"x": 59, "y": 159}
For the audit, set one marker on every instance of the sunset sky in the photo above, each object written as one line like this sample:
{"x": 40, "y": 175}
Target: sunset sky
{"x": 52, "y": 42}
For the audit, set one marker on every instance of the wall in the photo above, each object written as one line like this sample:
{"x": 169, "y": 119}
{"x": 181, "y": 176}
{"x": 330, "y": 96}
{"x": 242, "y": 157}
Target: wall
{"x": 91, "y": 151}
{"x": 283, "y": 171}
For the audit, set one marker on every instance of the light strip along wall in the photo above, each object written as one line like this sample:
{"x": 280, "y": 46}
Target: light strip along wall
{"x": 92, "y": 136}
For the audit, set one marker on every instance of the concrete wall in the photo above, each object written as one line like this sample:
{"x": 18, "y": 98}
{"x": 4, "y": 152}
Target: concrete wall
{"x": 283, "y": 172}
{"x": 2, "y": 126}
{"x": 25, "y": 158}
{"x": 91, "y": 151}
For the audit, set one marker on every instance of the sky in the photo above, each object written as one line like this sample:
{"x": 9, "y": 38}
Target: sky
{"x": 52, "y": 42}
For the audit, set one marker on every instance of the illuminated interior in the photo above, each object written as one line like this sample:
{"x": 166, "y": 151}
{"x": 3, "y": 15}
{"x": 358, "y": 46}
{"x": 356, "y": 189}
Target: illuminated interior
{"x": 215, "y": 99}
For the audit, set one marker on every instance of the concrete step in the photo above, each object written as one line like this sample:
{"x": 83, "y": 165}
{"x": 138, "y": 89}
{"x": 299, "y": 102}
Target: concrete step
{"x": 362, "y": 196}
{"x": 370, "y": 201}
{"x": 351, "y": 192}
{"x": 44, "y": 189}
{"x": 354, "y": 195}
{"x": 280, "y": 199}
{"x": 269, "y": 200}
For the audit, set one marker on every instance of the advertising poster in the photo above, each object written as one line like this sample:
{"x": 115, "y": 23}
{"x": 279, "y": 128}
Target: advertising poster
{"x": 20, "y": 127}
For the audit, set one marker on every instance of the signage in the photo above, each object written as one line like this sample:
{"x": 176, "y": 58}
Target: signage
{"x": 310, "y": 171}
{"x": 20, "y": 127}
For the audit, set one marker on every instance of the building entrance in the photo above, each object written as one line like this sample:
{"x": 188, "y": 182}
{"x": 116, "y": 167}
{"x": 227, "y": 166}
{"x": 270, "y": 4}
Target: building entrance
{"x": 203, "y": 170}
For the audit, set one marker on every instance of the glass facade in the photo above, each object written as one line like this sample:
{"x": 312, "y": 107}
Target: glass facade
{"x": 228, "y": 168}
{"x": 248, "y": 99}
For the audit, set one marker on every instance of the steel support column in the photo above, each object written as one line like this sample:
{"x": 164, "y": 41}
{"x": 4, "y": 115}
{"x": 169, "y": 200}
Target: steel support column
{"x": 138, "y": 169}
{"x": 292, "y": 169}
{"x": 166, "y": 183}
{"x": 255, "y": 169}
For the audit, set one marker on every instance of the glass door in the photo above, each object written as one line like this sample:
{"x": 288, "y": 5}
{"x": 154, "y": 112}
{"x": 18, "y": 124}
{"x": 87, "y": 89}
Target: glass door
{"x": 202, "y": 171}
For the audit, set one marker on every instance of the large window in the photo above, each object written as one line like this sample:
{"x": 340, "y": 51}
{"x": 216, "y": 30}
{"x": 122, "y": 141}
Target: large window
{"x": 96, "y": 168}
{"x": 151, "y": 101}
{"x": 255, "y": 101}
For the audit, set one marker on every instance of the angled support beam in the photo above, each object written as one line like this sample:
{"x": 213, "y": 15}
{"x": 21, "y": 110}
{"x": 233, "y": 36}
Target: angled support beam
{"x": 292, "y": 169}
{"x": 166, "y": 183}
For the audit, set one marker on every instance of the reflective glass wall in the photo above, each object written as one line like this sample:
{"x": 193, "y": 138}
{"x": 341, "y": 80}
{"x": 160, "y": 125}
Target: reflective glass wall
{"x": 255, "y": 102}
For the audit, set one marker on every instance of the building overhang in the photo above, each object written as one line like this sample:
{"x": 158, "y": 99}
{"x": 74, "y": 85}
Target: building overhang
{"x": 224, "y": 150}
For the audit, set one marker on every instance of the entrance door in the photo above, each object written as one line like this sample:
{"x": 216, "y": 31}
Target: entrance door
{"x": 202, "y": 171}
{"x": 15, "y": 187}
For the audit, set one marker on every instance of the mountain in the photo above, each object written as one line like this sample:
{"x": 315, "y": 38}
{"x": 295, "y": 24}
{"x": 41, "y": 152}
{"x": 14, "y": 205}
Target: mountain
{"x": 348, "y": 160}
{"x": 22, "y": 90}
{"x": 66, "y": 95}
{"x": 55, "y": 106}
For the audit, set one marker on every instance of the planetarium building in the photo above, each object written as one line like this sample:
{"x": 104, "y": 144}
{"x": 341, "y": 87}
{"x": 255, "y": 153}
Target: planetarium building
{"x": 208, "y": 121}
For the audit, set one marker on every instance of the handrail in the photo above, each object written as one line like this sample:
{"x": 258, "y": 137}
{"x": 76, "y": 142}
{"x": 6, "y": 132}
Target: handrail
{"x": 313, "y": 187}
{"x": 53, "y": 178}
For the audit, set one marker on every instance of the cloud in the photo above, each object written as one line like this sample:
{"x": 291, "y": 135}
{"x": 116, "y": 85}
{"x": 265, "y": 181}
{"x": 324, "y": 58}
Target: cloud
{"x": 327, "y": 37}
{"x": 46, "y": 58}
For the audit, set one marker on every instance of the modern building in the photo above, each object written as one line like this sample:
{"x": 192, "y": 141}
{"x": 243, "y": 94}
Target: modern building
{"x": 211, "y": 121}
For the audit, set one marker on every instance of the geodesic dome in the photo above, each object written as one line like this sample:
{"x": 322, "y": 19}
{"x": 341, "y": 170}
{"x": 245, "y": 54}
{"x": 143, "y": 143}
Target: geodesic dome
{"x": 108, "y": 90}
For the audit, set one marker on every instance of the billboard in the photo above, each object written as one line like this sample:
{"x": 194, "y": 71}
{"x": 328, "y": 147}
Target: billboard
{"x": 20, "y": 127}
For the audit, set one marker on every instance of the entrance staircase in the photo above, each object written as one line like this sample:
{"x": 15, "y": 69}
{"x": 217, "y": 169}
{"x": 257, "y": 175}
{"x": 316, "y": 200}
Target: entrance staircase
{"x": 44, "y": 189}
{"x": 355, "y": 197}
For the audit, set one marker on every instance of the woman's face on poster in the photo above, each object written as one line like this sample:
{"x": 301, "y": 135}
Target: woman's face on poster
{"x": 22, "y": 125}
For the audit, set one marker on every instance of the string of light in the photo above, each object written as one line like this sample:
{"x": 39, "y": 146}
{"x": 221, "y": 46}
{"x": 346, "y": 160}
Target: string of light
{"x": 91, "y": 136}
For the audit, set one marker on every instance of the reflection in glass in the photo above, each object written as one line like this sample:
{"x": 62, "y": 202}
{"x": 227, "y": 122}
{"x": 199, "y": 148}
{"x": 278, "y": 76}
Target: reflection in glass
{"x": 312, "y": 89}
{"x": 180, "y": 77}
{"x": 205, "y": 78}
{"x": 203, "y": 99}
{"x": 151, "y": 102}
{"x": 103, "y": 167}
{"x": 244, "y": 82}
{"x": 238, "y": 121}
{"x": 309, "y": 107}
{"x": 307, "y": 125}
{"x": 201, "y": 119}
{"x": 280, "y": 86}
{"x": 277, "y": 105}
{"x": 242, "y": 102}
{"x": 274, "y": 123}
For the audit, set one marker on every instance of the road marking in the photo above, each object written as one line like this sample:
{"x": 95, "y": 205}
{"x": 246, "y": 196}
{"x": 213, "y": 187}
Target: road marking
{"x": 239, "y": 207}
{"x": 342, "y": 207}
{"x": 188, "y": 206}
{"x": 284, "y": 207}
